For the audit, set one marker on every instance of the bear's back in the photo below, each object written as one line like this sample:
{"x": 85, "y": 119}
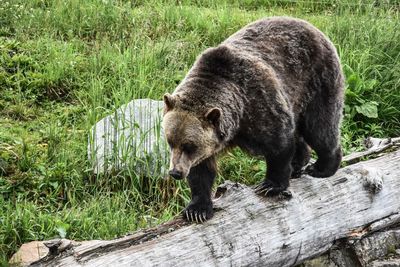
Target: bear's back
{"x": 299, "y": 54}
{"x": 287, "y": 44}
{"x": 270, "y": 55}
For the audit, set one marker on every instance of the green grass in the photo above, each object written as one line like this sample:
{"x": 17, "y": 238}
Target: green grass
{"x": 66, "y": 64}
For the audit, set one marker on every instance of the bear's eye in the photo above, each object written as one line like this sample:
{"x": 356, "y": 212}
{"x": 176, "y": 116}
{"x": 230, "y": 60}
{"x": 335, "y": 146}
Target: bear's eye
{"x": 189, "y": 148}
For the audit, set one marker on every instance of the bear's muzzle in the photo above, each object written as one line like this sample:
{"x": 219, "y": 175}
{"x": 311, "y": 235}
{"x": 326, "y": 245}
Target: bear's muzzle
{"x": 176, "y": 174}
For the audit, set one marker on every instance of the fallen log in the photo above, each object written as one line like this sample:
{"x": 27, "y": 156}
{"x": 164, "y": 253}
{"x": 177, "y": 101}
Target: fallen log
{"x": 250, "y": 230}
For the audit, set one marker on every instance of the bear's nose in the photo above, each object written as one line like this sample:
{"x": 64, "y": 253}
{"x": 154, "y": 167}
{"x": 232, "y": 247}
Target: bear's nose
{"x": 176, "y": 174}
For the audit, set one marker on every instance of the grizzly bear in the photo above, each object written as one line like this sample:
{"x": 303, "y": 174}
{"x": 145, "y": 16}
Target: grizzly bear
{"x": 274, "y": 89}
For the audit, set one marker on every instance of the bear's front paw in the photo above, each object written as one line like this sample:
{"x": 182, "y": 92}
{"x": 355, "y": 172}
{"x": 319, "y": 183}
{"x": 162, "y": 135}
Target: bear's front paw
{"x": 198, "y": 212}
{"x": 268, "y": 188}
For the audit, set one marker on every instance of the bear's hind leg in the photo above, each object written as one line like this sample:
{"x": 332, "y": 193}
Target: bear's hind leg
{"x": 279, "y": 169}
{"x": 301, "y": 157}
{"x": 322, "y": 133}
{"x": 201, "y": 178}
{"x": 328, "y": 162}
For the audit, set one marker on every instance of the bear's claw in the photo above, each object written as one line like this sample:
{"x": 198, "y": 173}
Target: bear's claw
{"x": 285, "y": 194}
{"x": 263, "y": 190}
{"x": 194, "y": 216}
{"x": 267, "y": 188}
{"x": 198, "y": 213}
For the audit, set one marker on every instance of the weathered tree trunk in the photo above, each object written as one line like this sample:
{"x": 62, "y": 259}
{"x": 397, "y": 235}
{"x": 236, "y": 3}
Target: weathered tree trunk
{"x": 250, "y": 230}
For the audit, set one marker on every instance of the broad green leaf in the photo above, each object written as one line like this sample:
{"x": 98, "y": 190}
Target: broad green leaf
{"x": 368, "y": 109}
{"x": 354, "y": 81}
{"x": 370, "y": 84}
{"x": 350, "y": 94}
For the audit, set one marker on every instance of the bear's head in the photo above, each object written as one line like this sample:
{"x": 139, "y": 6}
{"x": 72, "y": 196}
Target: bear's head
{"x": 192, "y": 137}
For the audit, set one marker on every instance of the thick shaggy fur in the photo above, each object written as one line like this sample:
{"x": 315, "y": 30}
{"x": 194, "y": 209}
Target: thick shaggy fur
{"x": 274, "y": 88}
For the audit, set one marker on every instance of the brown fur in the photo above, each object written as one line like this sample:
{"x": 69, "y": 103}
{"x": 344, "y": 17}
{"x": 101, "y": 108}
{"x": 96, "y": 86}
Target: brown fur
{"x": 273, "y": 88}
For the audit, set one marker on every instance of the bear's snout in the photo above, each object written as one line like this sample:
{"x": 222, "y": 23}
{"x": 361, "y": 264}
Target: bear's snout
{"x": 175, "y": 174}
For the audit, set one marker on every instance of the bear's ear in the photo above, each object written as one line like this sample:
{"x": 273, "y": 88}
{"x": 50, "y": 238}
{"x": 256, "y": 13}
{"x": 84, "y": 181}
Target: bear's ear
{"x": 169, "y": 102}
{"x": 213, "y": 115}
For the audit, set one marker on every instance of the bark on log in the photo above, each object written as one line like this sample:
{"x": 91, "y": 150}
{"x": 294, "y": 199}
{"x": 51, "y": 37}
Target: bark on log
{"x": 250, "y": 230}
